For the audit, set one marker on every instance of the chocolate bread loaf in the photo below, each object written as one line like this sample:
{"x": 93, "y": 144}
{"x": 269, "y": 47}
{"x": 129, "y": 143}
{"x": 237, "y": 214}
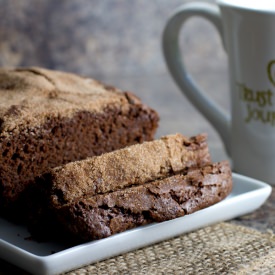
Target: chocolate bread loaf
{"x": 98, "y": 216}
{"x": 49, "y": 118}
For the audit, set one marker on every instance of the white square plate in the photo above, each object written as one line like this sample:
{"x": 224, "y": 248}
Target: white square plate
{"x": 52, "y": 258}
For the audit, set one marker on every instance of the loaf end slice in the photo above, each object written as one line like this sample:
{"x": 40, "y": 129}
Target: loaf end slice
{"x": 100, "y": 216}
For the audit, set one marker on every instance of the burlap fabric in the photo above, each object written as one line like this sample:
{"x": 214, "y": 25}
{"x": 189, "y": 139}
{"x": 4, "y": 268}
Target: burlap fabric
{"x": 219, "y": 249}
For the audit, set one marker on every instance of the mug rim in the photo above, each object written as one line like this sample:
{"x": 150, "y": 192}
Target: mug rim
{"x": 264, "y": 6}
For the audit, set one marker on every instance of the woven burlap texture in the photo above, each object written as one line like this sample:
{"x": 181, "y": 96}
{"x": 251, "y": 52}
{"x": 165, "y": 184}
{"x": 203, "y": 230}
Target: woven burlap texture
{"x": 219, "y": 249}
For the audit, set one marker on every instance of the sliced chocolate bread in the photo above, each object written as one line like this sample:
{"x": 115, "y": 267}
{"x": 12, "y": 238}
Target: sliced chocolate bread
{"x": 127, "y": 175}
{"x": 133, "y": 165}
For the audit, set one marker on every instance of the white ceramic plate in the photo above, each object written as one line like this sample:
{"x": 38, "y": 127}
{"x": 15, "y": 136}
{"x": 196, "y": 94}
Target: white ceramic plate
{"x": 38, "y": 258}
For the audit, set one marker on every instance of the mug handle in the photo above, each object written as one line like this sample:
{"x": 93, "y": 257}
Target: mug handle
{"x": 216, "y": 116}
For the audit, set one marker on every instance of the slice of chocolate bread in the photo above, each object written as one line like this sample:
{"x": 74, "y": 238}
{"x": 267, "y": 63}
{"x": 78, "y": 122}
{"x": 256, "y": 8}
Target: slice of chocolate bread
{"x": 98, "y": 216}
{"x": 49, "y": 118}
{"x": 133, "y": 165}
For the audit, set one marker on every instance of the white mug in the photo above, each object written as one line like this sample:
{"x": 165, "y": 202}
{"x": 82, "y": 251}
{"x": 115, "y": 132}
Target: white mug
{"x": 247, "y": 29}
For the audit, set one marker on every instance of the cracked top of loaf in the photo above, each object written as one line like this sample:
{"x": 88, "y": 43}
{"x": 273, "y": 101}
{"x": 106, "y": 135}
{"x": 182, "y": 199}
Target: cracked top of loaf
{"x": 32, "y": 95}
